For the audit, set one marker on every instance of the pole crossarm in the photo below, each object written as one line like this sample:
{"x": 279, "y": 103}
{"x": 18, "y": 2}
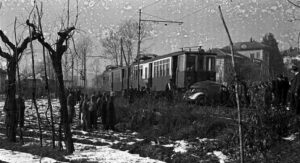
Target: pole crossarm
{"x": 161, "y": 21}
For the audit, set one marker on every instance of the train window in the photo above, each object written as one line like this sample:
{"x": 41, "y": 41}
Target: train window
{"x": 210, "y": 64}
{"x": 160, "y": 68}
{"x": 141, "y": 70}
{"x": 168, "y": 67}
{"x": 190, "y": 63}
{"x": 200, "y": 63}
{"x": 155, "y": 69}
{"x": 181, "y": 63}
{"x": 146, "y": 73}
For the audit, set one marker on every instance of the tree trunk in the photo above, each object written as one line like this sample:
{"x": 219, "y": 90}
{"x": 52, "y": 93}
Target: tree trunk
{"x": 49, "y": 99}
{"x": 10, "y": 105}
{"x": 63, "y": 102}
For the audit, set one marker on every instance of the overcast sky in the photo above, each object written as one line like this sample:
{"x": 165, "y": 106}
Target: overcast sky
{"x": 202, "y": 24}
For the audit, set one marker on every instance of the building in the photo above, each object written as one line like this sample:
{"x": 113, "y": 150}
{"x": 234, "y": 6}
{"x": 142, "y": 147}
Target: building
{"x": 257, "y": 52}
{"x": 2, "y": 81}
{"x": 245, "y": 68}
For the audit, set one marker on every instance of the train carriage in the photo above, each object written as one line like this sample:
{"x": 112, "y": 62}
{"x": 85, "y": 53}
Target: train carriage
{"x": 183, "y": 67}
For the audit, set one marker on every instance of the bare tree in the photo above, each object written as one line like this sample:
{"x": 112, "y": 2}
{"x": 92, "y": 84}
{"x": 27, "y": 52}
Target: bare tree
{"x": 12, "y": 62}
{"x": 96, "y": 68}
{"x": 56, "y": 52}
{"x": 111, "y": 46}
{"x": 127, "y": 32}
{"x": 82, "y": 48}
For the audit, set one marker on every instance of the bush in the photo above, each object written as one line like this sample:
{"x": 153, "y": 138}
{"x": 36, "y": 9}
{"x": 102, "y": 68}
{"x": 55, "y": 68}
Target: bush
{"x": 174, "y": 120}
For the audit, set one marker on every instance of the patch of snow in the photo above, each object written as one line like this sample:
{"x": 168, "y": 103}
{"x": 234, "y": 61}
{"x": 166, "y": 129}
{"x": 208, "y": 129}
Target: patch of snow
{"x": 116, "y": 142}
{"x": 134, "y": 133}
{"x": 168, "y": 145}
{"x": 181, "y": 146}
{"x": 131, "y": 143}
{"x": 205, "y": 139}
{"x": 153, "y": 143}
{"x": 137, "y": 139}
{"x": 106, "y": 154}
{"x": 14, "y": 156}
{"x": 291, "y": 137}
{"x": 221, "y": 156}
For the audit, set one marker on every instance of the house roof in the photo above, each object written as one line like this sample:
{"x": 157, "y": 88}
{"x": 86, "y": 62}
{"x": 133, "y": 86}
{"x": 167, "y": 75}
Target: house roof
{"x": 250, "y": 45}
{"x": 222, "y": 53}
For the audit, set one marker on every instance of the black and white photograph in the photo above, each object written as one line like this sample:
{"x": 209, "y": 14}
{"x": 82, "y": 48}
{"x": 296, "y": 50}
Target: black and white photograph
{"x": 149, "y": 81}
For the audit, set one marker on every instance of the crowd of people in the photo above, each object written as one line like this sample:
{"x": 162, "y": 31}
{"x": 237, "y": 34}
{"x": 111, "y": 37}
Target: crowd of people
{"x": 91, "y": 108}
{"x": 279, "y": 92}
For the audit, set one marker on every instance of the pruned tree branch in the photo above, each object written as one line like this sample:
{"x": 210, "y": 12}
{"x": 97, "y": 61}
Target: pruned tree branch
{"x": 294, "y": 4}
{"x": 6, "y": 40}
{"x": 4, "y": 54}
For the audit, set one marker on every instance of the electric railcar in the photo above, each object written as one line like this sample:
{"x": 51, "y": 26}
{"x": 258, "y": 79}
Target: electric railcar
{"x": 183, "y": 67}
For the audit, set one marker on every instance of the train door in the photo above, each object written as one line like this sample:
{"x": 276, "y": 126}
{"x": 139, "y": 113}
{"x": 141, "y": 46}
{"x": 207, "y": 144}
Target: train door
{"x": 191, "y": 75}
{"x": 122, "y": 78}
{"x": 174, "y": 68}
{"x": 180, "y": 72}
{"x": 150, "y": 76}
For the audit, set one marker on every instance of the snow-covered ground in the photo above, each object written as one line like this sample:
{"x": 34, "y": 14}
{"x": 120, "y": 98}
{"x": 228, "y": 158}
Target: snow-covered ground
{"x": 91, "y": 146}
{"x": 84, "y": 152}
{"x": 16, "y": 157}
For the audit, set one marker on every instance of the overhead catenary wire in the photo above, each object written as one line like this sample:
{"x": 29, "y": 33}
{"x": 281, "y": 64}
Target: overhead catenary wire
{"x": 155, "y": 16}
{"x": 194, "y": 12}
{"x": 156, "y": 1}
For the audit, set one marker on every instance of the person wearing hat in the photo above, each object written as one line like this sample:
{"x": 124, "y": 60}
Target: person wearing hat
{"x": 295, "y": 90}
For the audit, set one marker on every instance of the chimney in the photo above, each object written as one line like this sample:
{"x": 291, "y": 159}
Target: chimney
{"x": 251, "y": 40}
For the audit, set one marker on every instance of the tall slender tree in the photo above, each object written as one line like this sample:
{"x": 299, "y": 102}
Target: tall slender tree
{"x": 56, "y": 53}
{"x": 276, "y": 65}
{"x": 12, "y": 61}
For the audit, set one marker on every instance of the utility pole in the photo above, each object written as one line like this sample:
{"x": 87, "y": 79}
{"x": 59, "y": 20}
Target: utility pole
{"x": 139, "y": 38}
{"x": 236, "y": 89}
{"x": 139, "y": 48}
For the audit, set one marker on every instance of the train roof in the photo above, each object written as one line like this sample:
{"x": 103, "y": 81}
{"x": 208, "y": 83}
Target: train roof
{"x": 174, "y": 54}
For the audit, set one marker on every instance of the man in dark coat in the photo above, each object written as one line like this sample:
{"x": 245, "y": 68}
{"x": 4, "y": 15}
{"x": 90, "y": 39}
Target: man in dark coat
{"x": 111, "y": 114}
{"x": 276, "y": 90}
{"x": 20, "y": 110}
{"x": 285, "y": 89}
{"x": 103, "y": 111}
{"x": 295, "y": 90}
{"x": 85, "y": 113}
{"x": 93, "y": 112}
{"x": 71, "y": 106}
{"x": 170, "y": 87}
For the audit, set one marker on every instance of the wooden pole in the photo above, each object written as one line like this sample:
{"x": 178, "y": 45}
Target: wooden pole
{"x": 236, "y": 88}
{"x": 139, "y": 49}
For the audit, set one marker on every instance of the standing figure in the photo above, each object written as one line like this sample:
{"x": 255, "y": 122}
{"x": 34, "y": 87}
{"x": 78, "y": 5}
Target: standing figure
{"x": 295, "y": 90}
{"x": 93, "y": 112}
{"x": 103, "y": 111}
{"x": 85, "y": 113}
{"x": 99, "y": 106}
{"x": 20, "y": 110}
{"x": 285, "y": 90}
{"x": 111, "y": 114}
{"x": 267, "y": 95}
{"x": 80, "y": 106}
{"x": 277, "y": 90}
{"x": 169, "y": 90}
{"x": 71, "y": 106}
